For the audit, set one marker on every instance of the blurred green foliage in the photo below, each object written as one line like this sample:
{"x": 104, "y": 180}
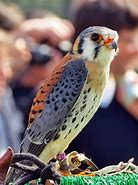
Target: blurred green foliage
{"x": 59, "y": 7}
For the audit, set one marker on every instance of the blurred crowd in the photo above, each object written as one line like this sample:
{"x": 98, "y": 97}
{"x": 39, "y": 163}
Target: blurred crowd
{"x": 31, "y": 47}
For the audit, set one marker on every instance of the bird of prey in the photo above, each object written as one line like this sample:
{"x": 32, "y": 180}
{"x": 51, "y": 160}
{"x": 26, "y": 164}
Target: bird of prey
{"x": 70, "y": 97}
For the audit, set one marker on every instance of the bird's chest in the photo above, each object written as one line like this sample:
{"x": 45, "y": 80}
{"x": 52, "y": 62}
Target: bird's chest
{"x": 84, "y": 109}
{"x": 86, "y": 106}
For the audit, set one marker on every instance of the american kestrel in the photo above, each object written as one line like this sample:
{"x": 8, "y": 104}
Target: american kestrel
{"x": 67, "y": 101}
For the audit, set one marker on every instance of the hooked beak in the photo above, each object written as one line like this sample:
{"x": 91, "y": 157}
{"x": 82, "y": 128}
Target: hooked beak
{"x": 111, "y": 44}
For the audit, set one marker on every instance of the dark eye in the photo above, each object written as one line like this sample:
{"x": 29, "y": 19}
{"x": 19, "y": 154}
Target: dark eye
{"x": 95, "y": 37}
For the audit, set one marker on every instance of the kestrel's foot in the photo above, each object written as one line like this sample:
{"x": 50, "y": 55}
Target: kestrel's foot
{"x": 40, "y": 170}
{"x": 49, "y": 173}
{"x": 61, "y": 156}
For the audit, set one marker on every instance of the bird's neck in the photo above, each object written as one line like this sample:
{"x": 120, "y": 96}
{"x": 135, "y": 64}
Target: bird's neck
{"x": 97, "y": 71}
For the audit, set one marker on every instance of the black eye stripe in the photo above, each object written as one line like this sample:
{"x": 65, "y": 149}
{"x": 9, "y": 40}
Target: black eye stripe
{"x": 97, "y": 49}
{"x": 80, "y": 50}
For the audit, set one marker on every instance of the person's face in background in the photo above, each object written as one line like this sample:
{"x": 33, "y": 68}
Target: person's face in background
{"x": 41, "y": 72}
{"x": 127, "y": 57}
{"x": 50, "y": 66}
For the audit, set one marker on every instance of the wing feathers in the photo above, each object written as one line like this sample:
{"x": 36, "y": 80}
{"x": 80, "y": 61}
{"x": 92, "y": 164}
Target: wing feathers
{"x": 45, "y": 89}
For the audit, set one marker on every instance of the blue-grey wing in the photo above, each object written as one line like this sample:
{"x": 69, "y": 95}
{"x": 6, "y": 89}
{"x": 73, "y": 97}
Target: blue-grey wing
{"x": 60, "y": 101}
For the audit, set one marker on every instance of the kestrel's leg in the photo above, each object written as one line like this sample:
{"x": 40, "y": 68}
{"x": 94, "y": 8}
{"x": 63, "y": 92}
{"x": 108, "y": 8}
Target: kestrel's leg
{"x": 61, "y": 156}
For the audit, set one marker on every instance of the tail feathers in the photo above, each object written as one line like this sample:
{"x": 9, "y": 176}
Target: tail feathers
{"x": 29, "y": 147}
{"x": 25, "y": 145}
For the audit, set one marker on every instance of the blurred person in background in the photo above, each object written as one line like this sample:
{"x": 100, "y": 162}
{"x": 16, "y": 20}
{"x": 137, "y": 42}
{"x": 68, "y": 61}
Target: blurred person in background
{"x": 112, "y": 134}
{"x": 51, "y": 29}
{"x": 11, "y": 124}
{"x": 10, "y": 17}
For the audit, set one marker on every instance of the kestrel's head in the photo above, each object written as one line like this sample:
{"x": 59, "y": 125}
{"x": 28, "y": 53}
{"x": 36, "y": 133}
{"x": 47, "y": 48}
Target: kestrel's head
{"x": 96, "y": 44}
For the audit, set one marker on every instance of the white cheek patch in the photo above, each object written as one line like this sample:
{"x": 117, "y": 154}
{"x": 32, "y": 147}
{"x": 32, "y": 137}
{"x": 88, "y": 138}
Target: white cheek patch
{"x": 88, "y": 49}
